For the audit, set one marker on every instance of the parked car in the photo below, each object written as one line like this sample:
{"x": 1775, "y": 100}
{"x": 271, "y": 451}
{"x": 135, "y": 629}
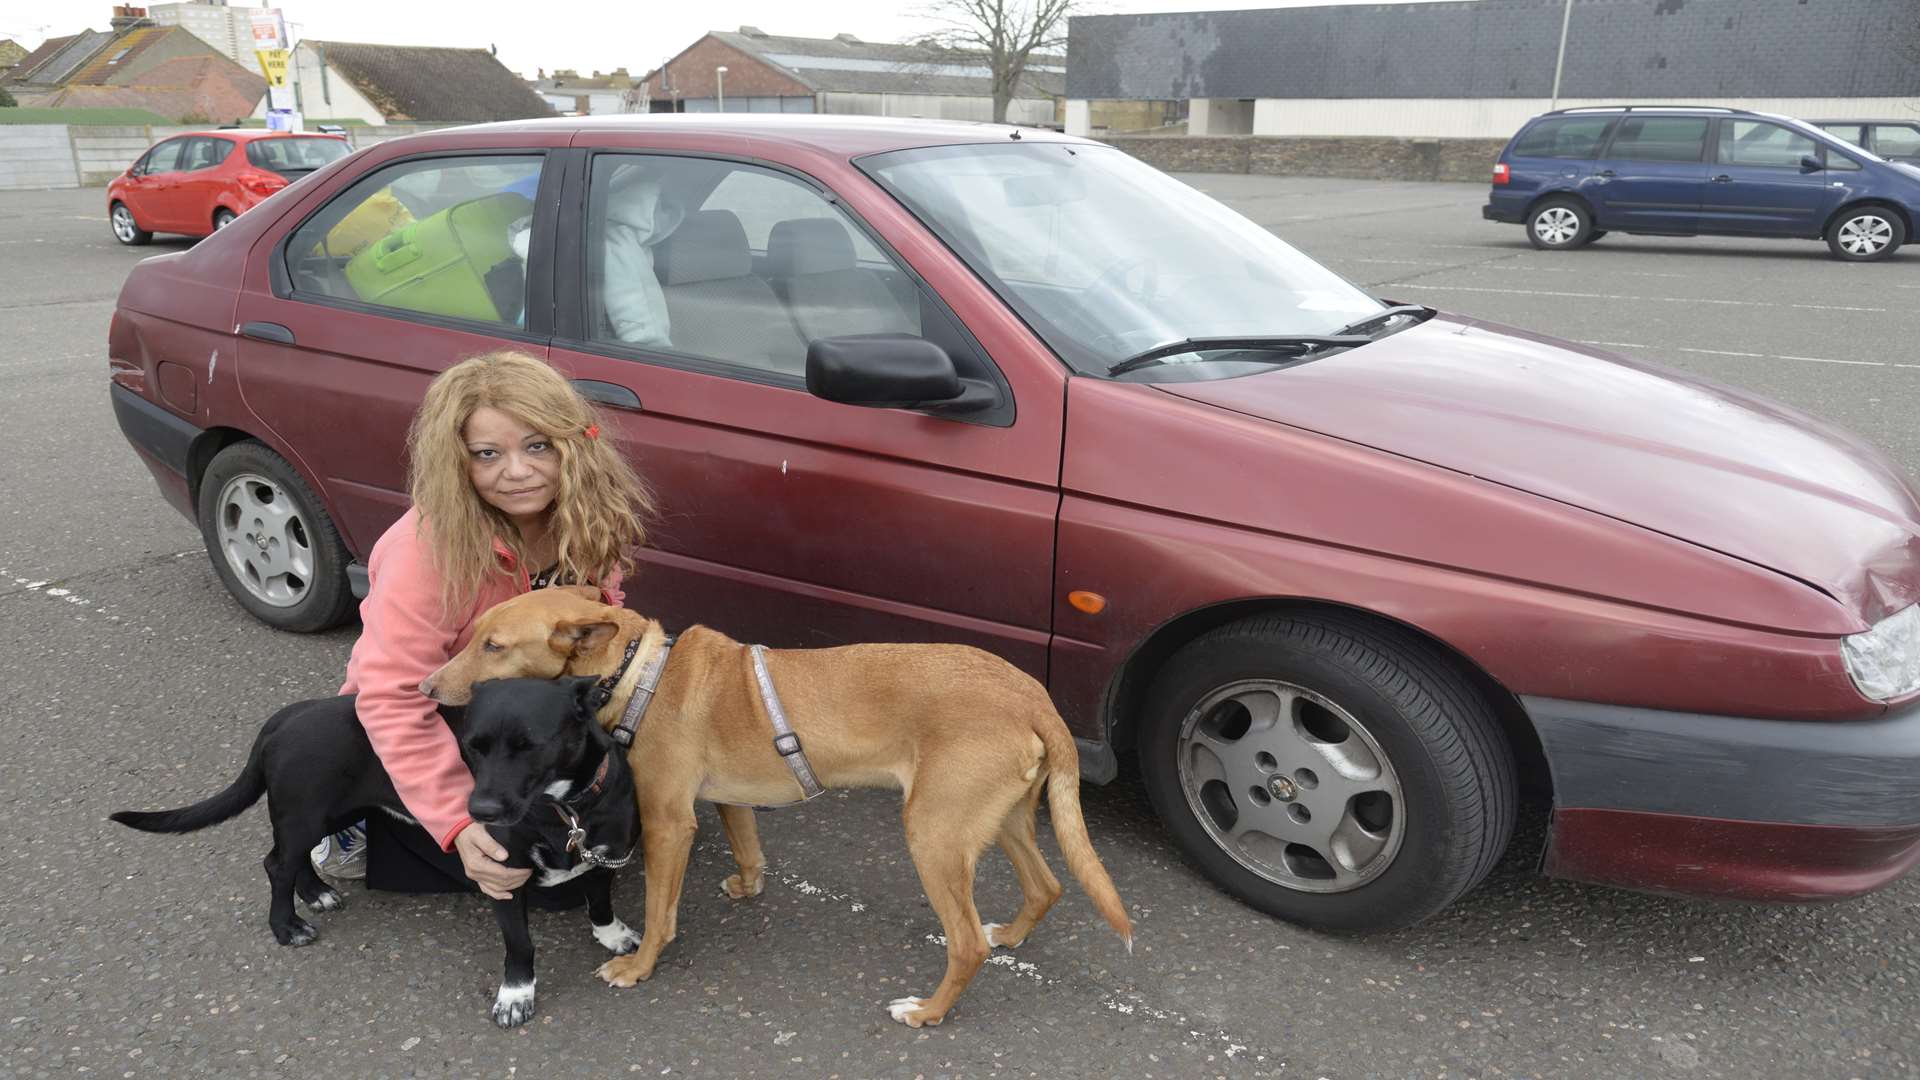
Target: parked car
{"x": 1340, "y": 575}
{"x": 1573, "y": 175}
{"x": 197, "y": 183}
{"x": 1895, "y": 140}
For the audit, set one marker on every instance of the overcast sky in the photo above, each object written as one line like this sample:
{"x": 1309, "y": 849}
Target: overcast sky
{"x": 581, "y": 34}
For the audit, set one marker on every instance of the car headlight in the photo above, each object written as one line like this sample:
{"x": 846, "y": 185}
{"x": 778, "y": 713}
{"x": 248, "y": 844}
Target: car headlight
{"x": 1885, "y": 661}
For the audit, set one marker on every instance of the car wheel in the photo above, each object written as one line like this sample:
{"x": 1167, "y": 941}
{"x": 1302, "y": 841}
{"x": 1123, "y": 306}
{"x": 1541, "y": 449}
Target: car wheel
{"x": 271, "y": 541}
{"x": 1595, "y": 235}
{"x": 1559, "y": 224}
{"x": 1866, "y": 234}
{"x": 1328, "y": 770}
{"x": 222, "y": 218}
{"x": 125, "y": 229}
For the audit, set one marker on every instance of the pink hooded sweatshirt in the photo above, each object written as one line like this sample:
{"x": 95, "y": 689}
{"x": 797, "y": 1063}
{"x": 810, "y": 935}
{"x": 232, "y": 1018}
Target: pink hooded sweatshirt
{"x": 404, "y": 638}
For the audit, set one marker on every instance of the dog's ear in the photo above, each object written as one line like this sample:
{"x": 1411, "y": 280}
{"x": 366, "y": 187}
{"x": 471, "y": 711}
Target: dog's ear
{"x": 571, "y": 638}
{"x": 582, "y": 687}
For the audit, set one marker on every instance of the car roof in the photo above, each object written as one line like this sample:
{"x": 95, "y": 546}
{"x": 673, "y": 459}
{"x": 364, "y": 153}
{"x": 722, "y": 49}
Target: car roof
{"x": 1909, "y": 122}
{"x": 849, "y": 135}
{"x": 250, "y": 134}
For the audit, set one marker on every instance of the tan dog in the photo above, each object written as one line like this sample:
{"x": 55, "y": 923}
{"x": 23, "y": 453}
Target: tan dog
{"x": 968, "y": 738}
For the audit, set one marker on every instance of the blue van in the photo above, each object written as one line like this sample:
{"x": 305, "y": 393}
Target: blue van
{"x": 1573, "y": 175}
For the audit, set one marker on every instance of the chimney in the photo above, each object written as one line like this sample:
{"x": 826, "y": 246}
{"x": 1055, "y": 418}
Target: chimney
{"x": 126, "y": 18}
{"x": 752, "y": 31}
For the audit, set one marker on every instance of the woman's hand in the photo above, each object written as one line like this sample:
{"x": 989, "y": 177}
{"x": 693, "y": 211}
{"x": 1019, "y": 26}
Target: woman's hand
{"x": 480, "y": 855}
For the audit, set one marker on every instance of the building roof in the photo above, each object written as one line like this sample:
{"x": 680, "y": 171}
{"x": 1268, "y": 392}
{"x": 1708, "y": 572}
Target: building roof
{"x": 847, "y": 64}
{"x": 187, "y": 88}
{"x": 56, "y": 58}
{"x": 409, "y": 82}
{"x": 1674, "y": 50}
{"x": 565, "y": 79}
{"x": 100, "y": 68}
{"x": 11, "y": 53}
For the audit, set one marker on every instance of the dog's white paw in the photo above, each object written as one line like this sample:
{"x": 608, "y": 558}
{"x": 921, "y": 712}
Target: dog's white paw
{"x": 327, "y": 899}
{"x": 901, "y": 1008}
{"x": 513, "y": 1005}
{"x": 995, "y": 935}
{"x": 617, "y": 937}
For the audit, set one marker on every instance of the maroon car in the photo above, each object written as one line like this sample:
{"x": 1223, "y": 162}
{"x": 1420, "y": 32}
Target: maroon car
{"x": 1342, "y": 576}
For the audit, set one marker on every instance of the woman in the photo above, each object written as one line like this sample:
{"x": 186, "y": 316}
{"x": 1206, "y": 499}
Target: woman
{"x": 513, "y": 489}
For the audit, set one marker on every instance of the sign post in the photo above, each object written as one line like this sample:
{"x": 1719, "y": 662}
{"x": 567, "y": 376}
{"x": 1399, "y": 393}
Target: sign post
{"x": 271, "y": 47}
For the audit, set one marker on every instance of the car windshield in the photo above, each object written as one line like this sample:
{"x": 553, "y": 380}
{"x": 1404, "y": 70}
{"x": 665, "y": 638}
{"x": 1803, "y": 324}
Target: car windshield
{"x": 295, "y": 154}
{"x": 1106, "y": 257}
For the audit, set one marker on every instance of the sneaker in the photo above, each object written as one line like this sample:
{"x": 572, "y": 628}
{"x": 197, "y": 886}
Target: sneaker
{"x": 342, "y": 855}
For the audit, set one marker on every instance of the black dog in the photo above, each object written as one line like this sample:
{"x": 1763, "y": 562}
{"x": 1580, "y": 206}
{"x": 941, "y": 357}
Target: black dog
{"x": 548, "y": 784}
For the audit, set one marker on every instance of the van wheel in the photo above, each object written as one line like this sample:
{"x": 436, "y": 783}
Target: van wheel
{"x": 125, "y": 229}
{"x": 1329, "y": 770}
{"x": 1559, "y": 224}
{"x": 1865, "y": 234}
{"x": 271, "y": 541}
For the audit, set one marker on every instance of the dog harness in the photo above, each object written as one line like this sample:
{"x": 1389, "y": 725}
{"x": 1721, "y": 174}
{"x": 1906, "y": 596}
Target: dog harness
{"x": 785, "y": 742}
{"x": 576, "y": 832}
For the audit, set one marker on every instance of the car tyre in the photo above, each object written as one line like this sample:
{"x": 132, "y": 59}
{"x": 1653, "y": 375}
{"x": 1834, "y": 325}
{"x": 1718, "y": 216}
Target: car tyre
{"x": 1595, "y": 235}
{"x": 1361, "y": 727}
{"x": 1865, "y": 234}
{"x": 125, "y": 229}
{"x": 271, "y": 541}
{"x": 1559, "y": 225}
{"x": 222, "y": 218}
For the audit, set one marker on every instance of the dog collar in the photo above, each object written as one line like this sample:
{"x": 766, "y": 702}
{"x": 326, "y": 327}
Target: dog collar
{"x": 603, "y": 690}
{"x": 593, "y": 787}
{"x": 636, "y": 709}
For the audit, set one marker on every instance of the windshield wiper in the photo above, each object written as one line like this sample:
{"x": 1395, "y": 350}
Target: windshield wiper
{"x": 1383, "y": 315}
{"x": 1292, "y": 344}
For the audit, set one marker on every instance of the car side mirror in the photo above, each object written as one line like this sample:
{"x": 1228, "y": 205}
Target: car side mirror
{"x": 892, "y": 371}
{"x": 1809, "y": 163}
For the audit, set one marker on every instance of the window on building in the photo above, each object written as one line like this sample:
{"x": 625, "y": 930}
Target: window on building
{"x": 1660, "y": 138}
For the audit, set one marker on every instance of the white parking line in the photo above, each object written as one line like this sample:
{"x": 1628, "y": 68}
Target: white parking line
{"x": 1641, "y": 299}
{"x": 1756, "y": 355}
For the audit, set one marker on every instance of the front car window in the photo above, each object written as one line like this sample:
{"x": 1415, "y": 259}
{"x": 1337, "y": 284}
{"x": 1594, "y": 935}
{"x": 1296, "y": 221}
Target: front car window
{"x": 165, "y": 157}
{"x": 1105, "y": 256}
{"x": 1755, "y": 142}
{"x": 1660, "y": 138}
{"x": 439, "y": 236}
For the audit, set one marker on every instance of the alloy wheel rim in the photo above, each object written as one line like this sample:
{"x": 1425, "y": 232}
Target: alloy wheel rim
{"x": 1291, "y": 786}
{"x": 122, "y": 223}
{"x": 1556, "y": 225}
{"x": 265, "y": 540}
{"x": 1865, "y": 235}
{"x": 221, "y": 220}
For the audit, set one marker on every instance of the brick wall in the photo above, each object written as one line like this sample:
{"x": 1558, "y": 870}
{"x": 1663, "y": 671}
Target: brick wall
{"x": 691, "y": 74}
{"x": 1365, "y": 158}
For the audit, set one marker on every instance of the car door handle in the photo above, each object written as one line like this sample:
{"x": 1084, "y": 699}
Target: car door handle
{"x": 1608, "y": 173}
{"x": 1723, "y": 178}
{"x": 607, "y": 393}
{"x": 267, "y": 331}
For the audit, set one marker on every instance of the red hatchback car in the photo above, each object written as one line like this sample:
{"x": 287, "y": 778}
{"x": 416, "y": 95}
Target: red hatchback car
{"x": 196, "y": 184}
{"x": 1340, "y": 575}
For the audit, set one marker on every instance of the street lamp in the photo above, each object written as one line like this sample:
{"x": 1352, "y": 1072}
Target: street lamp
{"x": 720, "y": 83}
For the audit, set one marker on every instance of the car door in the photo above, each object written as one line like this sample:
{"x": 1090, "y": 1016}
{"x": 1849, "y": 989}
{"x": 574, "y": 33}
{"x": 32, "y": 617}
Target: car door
{"x": 366, "y": 292}
{"x": 200, "y": 181}
{"x": 153, "y": 201}
{"x": 1760, "y": 182}
{"x": 788, "y": 519}
{"x": 1651, "y": 175}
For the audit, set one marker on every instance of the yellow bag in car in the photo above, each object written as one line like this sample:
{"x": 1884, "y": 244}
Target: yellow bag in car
{"x": 377, "y": 217}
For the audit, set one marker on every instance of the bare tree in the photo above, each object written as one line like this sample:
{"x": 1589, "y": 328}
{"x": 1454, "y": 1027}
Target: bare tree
{"x": 1005, "y": 33}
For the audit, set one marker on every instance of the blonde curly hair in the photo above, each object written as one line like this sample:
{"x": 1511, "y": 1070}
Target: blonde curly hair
{"x": 599, "y": 511}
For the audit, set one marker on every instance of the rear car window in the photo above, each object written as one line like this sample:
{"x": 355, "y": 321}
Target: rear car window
{"x": 1660, "y": 138}
{"x": 295, "y": 154}
{"x": 440, "y": 236}
{"x": 1896, "y": 140}
{"x": 205, "y": 153}
{"x": 1754, "y": 142}
{"x": 1566, "y": 137}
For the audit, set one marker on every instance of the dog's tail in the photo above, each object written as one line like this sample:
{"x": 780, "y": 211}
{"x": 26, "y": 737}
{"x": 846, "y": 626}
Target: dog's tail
{"x": 1070, "y": 829}
{"x": 242, "y": 793}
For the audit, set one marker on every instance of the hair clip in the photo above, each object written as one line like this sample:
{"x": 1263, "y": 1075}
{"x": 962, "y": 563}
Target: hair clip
{"x": 593, "y": 431}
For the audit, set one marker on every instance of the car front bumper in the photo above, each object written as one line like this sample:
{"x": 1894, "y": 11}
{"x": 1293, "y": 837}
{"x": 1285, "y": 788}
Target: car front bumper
{"x": 1730, "y": 807}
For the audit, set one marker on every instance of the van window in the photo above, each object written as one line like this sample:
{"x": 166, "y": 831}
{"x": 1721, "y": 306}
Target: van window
{"x": 1660, "y": 138}
{"x": 1896, "y": 140}
{"x": 1565, "y": 137}
{"x": 1754, "y": 142}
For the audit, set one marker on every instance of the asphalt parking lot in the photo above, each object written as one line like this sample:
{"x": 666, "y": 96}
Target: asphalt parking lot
{"x": 129, "y": 679}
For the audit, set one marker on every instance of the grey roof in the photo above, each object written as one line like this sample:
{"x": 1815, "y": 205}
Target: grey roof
{"x": 53, "y": 67}
{"x": 1637, "y": 49}
{"x": 847, "y": 65}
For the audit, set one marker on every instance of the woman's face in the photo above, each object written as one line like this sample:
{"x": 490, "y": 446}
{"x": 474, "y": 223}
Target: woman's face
{"x": 513, "y": 467}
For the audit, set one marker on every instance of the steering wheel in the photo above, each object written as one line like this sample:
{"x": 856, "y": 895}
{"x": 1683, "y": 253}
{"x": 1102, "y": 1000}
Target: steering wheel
{"x": 1115, "y": 276}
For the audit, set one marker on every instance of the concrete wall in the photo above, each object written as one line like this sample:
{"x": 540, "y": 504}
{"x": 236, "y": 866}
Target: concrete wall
{"x": 35, "y": 156}
{"x": 1360, "y": 158}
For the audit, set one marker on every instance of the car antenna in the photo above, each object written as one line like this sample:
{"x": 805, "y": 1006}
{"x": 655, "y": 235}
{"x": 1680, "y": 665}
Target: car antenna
{"x": 1014, "y": 134}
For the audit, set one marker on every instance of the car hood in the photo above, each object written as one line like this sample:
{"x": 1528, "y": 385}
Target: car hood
{"x": 1660, "y": 449}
